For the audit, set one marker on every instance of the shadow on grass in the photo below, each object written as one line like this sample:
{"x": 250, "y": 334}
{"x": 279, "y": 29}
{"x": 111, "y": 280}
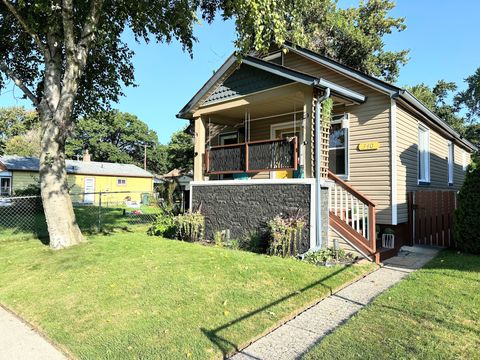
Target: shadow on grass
{"x": 226, "y": 346}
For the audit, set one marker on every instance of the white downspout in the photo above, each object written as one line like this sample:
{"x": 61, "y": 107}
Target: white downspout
{"x": 318, "y": 188}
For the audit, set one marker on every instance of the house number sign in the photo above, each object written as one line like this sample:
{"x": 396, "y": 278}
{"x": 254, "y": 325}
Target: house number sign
{"x": 372, "y": 145}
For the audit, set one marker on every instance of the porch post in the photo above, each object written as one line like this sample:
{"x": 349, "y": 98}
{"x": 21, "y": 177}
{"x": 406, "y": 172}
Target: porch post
{"x": 199, "y": 149}
{"x": 308, "y": 133}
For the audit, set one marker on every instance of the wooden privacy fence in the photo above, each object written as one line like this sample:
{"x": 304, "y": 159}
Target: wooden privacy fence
{"x": 430, "y": 217}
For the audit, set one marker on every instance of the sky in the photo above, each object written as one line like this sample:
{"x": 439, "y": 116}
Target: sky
{"x": 443, "y": 37}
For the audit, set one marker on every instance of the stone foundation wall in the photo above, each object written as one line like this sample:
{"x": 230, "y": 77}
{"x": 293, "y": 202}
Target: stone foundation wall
{"x": 246, "y": 208}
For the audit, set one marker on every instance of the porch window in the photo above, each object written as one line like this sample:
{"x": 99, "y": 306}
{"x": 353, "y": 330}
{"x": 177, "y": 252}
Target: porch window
{"x": 450, "y": 163}
{"x": 423, "y": 154}
{"x": 338, "y": 145}
{"x": 5, "y": 186}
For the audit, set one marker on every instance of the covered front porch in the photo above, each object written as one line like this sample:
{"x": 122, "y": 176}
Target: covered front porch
{"x": 263, "y": 136}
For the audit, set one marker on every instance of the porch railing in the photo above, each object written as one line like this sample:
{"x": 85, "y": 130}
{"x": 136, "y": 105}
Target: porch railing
{"x": 253, "y": 156}
{"x": 354, "y": 210}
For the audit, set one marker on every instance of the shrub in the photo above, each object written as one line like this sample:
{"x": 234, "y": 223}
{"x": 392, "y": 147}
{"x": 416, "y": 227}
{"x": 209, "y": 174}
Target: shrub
{"x": 255, "y": 242}
{"x": 467, "y": 225}
{"x": 327, "y": 256}
{"x": 164, "y": 225}
{"x": 284, "y": 235}
{"x": 190, "y": 226}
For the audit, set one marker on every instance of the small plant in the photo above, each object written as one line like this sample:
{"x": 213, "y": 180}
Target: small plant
{"x": 284, "y": 235}
{"x": 328, "y": 255}
{"x": 234, "y": 244}
{"x": 164, "y": 225}
{"x": 218, "y": 238}
{"x": 190, "y": 226}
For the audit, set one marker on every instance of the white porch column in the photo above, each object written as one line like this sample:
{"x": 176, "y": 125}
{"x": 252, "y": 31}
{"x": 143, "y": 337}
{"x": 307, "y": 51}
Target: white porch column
{"x": 308, "y": 133}
{"x": 198, "y": 161}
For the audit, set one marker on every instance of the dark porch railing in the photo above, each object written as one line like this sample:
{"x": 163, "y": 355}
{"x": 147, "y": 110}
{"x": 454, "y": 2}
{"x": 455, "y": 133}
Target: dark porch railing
{"x": 253, "y": 156}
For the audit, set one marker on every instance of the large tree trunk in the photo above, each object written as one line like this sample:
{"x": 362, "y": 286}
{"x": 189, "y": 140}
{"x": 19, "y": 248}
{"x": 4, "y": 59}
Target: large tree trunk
{"x": 63, "y": 229}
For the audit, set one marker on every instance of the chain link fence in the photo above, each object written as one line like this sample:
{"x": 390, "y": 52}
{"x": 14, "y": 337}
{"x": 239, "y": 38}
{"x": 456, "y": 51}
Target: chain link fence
{"x": 97, "y": 212}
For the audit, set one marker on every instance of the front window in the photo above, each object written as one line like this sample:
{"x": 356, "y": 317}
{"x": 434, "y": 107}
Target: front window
{"x": 450, "y": 163}
{"x": 121, "y": 182}
{"x": 5, "y": 186}
{"x": 423, "y": 154}
{"x": 338, "y": 146}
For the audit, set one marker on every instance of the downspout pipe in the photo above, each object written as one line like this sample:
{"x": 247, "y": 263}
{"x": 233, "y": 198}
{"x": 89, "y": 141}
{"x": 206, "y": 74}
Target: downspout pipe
{"x": 318, "y": 187}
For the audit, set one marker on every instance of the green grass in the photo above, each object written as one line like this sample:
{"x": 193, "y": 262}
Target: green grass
{"x": 23, "y": 222}
{"x": 127, "y": 295}
{"x": 433, "y": 314}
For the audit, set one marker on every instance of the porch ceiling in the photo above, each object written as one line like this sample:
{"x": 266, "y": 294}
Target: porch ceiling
{"x": 281, "y": 101}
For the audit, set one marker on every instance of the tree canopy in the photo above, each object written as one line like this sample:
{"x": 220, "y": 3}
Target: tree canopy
{"x": 437, "y": 99}
{"x": 15, "y": 121}
{"x": 449, "y": 106}
{"x": 115, "y": 136}
{"x": 354, "y": 36}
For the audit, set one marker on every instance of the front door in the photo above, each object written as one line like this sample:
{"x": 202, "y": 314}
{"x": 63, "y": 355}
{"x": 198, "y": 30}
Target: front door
{"x": 89, "y": 189}
{"x": 283, "y": 134}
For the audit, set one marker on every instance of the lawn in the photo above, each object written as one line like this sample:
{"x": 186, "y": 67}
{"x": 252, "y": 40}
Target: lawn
{"x": 28, "y": 219}
{"x": 127, "y": 295}
{"x": 433, "y": 314}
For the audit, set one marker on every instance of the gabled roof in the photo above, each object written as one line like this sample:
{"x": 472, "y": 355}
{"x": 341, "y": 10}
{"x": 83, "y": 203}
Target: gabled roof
{"x": 232, "y": 65}
{"x": 393, "y": 91}
{"x": 28, "y": 163}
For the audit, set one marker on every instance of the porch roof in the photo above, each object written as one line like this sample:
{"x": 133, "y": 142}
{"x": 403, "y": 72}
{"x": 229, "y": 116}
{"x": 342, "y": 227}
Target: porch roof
{"x": 289, "y": 75}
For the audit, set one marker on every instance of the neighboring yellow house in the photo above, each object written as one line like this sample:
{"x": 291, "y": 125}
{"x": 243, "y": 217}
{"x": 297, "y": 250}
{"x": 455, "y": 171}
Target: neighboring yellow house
{"x": 87, "y": 179}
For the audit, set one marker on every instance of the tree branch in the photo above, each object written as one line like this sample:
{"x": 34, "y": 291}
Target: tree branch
{"x": 68, "y": 29}
{"x": 19, "y": 83}
{"x": 27, "y": 28}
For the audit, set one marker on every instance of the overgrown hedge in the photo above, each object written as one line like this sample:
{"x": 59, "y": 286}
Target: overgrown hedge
{"x": 467, "y": 215}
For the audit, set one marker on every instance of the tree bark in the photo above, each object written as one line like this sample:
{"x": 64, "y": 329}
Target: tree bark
{"x": 63, "y": 229}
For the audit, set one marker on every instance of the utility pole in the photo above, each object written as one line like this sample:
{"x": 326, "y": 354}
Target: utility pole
{"x": 145, "y": 157}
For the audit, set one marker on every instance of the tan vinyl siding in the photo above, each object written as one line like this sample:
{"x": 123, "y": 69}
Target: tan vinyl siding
{"x": 407, "y": 161}
{"x": 369, "y": 170}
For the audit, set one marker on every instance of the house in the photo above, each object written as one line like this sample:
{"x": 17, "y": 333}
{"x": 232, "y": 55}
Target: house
{"x": 262, "y": 148}
{"x": 86, "y": 179}
{"x": 182, "y": 179}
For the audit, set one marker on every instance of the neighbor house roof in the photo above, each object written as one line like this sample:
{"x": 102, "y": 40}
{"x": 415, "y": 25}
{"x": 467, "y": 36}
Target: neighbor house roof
{"x": 26, "y": 163}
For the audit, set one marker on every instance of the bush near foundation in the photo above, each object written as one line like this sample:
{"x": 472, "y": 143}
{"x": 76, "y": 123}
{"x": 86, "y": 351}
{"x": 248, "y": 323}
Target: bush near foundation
{"x": 467, "y": 215}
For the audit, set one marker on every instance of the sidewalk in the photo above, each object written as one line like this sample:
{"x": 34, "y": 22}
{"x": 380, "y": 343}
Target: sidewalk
{"x": 296, "y": 337}
{"x": 20, "y": 342}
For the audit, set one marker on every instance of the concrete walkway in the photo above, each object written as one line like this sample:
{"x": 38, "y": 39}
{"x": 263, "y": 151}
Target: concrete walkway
{"x": 296, "y": 337}
{"x": 20, "y": 342}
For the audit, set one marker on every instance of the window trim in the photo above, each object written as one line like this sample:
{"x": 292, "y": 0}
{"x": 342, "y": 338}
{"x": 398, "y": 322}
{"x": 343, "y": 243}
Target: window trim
{"x": 10, "y": 184}
{"x": 427, "y": 179}
{"x": 226, "y": 136}
{"x": 339, "y": 119}
{"x": 124, "y": 182}
{"x": 450, "y": 162}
